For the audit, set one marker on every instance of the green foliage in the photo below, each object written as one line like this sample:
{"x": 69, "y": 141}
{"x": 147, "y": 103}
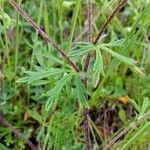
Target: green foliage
{"x": 98, "y": 65}
{"x": 40, "y": 74}
{"x": 7, "y": 21}
{"x": 84, "y": 48}
{"x": 81, "y": 91}
{"x": 144, "y": 107}
{"x": 136, "y": 136}
{"x": 54, "y": 93}
{"x": 43, "y": 98}
{"x": 81, "y": 49}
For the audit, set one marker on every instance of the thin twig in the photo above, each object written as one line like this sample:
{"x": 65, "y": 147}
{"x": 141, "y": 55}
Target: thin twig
{"x": 43, "y": 34}
{"x": 85, "y": 30}
{"x": 131, "y": 126}
{"x": 16, "y": 132}
{"x": 110, "y": 18}
{"x": 87, "y": 139}
{"x": 89, "y": 34}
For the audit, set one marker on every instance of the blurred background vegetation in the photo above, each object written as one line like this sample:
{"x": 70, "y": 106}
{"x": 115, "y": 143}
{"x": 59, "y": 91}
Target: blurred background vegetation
{"x": 122, "y": 95}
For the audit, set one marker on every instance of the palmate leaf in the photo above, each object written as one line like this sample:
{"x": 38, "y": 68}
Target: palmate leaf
{"x": 81, "y": 92}
{"x": 41, "y": 74}
{"x": 54, "y": 92}
{"x": 115, "y": 43}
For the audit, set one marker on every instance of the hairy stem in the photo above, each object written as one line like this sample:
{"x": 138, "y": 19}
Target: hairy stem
{"x": 16, "y": 132}
{"x": 43, "y": 34}
{"x": 87, "y": 140}
{"x": 110, "y": 18}
{"x": 89, "y": 34}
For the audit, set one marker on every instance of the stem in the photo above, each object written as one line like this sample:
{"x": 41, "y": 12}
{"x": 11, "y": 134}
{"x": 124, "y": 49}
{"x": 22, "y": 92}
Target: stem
{"x": 16, "y": 132}
{"x": 132, "y": 125}
{"x": 110, "y": 18}
{"x": 47, "y": 135}
{"x": 43, "y": 34}
{"x": 89, "y": 34}
{"x": 87, "y": 140}
{"x": 17, "y": 40}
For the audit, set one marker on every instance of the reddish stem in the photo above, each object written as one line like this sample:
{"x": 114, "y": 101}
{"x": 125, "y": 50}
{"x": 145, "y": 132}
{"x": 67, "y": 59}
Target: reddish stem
{"x": 87, "y": 140}
{"x": 16, "y": 132}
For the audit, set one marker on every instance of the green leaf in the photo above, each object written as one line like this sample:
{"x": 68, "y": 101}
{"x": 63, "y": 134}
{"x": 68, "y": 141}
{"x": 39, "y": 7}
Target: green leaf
{"x": 41, "y": 74}
{"x": 81, "y": 92}
{"x": 3, "y": 147}
{"x": 7, "y": 21}
{"x": 59, "y": 85}
{"x": 81, "y": 49}
{"x": 145, "y": 105}
{"x": 126, "y": 60}
{"x": 115, "y": 43}
{"x": 135, "y": 105}
{"x": 137, "y": 71}
{"x": 122, "y": 114}
{"x": 39, "y": 57}
{"x": 68, "y": 4}
{"x": 40, "y": 133}
{"x": 35, "y": 115}
{"x": 40, "y": 82}
{"x": 129, "y": 61}
{"x": 98, "y": 65}
{"x": 96, "y": 78}
{"x": 50, "y": 102}
{"x": 54, "y": 92}
{"x": 52, "y": 59}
